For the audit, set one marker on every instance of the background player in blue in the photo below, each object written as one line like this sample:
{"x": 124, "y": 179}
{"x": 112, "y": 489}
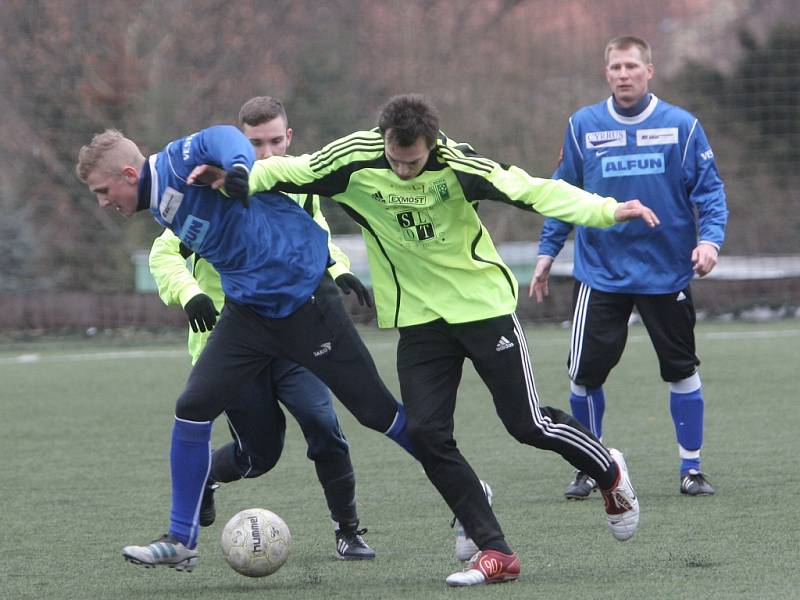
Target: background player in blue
{"x": 280, "y": 302}
{"x": 636, "y": 145}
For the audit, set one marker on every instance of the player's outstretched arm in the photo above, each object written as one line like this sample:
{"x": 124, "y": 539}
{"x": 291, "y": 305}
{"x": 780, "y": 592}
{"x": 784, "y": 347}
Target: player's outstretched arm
{"x": 634, "y": 209}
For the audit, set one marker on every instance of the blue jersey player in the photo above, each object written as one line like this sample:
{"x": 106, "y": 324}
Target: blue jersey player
{"x": 635, "y": 145}
{"x": 280, "y": 302}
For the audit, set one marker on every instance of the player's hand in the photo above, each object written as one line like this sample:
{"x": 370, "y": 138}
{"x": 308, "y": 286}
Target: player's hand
{"x": 212, "y": 176}
{"x": 540, "y": 282}
{"x": 348, "y": 282}
{"x": 633, "y": 209}
{"x": 237, "y": 185}
{"x": 704, "y": 259}
{"x": 201, "y": 312}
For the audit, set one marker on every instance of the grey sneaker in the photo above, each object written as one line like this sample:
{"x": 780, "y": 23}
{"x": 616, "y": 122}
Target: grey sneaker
{"x": 165, "y": 551}
{"x": 694, "y": 483}
{"x": 465, "y": 547}
{"x": 581, "y": 487}
{"x": 351, "y": 546}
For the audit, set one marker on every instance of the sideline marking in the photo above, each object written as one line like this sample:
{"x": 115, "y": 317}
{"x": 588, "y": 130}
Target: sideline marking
{"x": 37, "y": 358}
{"x": 32, "y": 358}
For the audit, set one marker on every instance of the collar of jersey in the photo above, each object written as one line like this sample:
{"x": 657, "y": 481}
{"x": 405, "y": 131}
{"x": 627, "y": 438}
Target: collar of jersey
{"x": 635, "y": 120}
{"x": 148, "y": 184}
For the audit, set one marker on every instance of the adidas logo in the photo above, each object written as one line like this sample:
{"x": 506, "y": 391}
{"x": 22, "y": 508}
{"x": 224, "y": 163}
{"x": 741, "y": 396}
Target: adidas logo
{"x": 378, "y": 197}
{"x": 324, "y": 348}
{"x": 503, "y": 344}
{"x": 681, "y": 296}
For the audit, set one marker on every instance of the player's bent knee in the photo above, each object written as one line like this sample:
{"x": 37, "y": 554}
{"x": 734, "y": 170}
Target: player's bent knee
{"x": 260, "y": 465}
{"x": 527, "y": 433}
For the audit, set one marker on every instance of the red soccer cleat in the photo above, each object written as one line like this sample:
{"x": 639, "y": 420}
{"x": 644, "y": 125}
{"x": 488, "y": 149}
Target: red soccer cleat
{"x": 622, "y": 507}
{"x": 487, "y": 566}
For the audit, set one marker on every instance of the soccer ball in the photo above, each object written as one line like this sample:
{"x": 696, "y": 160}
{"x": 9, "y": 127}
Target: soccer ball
{"x": 256, "y": 542}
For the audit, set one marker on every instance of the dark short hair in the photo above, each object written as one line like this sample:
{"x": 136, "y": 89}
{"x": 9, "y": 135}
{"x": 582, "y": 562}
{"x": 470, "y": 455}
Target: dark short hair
{"x": 261, "y": 109}
{"x": 409, "y": 117}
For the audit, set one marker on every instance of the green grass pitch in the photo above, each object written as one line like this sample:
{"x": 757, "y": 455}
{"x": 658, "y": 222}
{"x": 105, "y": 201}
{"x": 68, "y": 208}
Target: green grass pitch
{"x": 84, "y": 436}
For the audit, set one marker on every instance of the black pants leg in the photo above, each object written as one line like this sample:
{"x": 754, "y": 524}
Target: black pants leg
{"x": 429, "y": 364}
{"x": 670, "y": 321}
{"x": 499, "y": 352}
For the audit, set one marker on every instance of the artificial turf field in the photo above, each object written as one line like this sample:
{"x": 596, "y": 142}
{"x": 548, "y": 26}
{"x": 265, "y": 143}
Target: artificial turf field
{"x": 84, "y": 436}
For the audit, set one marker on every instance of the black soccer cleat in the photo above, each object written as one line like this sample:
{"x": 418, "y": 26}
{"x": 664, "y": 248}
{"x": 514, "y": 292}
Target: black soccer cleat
{"x": 351, "y": 546}
{"x": 694, "y": 483}
{"x": 581, "y": 487}
{"x": 208, "y": 512}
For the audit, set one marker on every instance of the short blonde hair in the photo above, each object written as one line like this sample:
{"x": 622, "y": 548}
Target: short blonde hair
{"x": 108, "y": 150}
{"x": 624, "y": 42}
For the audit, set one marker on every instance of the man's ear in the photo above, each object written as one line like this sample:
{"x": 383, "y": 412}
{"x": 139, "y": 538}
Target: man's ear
{"x": 130, "y": 174}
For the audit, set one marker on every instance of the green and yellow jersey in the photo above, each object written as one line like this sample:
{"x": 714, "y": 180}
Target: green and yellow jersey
{"x": 179, "y": 282}
{"x": 430, "y": 256}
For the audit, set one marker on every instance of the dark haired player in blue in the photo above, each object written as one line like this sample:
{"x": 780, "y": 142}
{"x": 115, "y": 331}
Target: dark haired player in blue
{"x": 280, "y": 302}
{"x": 636, "y": 145}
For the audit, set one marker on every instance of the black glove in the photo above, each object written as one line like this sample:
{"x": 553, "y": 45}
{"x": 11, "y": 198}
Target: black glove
{"x": 348, "y": 282}
{"x": 237, "y": 184}
{"x": 201, "y": 312}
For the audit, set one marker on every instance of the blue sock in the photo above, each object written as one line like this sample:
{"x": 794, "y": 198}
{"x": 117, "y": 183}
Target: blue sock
{"x": 190, "y": 461}
{"x": 397, "y": 432}
{"x": 687, "y": 414}
{"x": 588, "y": 407}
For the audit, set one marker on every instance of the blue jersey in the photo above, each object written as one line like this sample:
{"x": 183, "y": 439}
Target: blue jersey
{"x": 270, "y": 256}
{"x": 660, "y": 156}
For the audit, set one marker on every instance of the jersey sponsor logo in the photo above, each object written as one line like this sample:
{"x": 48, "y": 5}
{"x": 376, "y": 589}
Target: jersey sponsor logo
{"x": 187, "y": 145}
{"x": 169, "y": 204}
{"x": 656, "y": 137}
{"x": 633, "y": 164}
{"x": 406, "y": 200}
{"x": 416, "y": 225}
{"x": 707, "y": 155}
{"x": 193, "y": 232}
{"x": 605, "y": 139}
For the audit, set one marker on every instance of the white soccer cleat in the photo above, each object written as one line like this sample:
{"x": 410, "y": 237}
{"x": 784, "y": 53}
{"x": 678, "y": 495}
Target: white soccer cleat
{"x": 465, "y": 547}
{"x": 165, "y": 551}
{"x": 621, "y": 504}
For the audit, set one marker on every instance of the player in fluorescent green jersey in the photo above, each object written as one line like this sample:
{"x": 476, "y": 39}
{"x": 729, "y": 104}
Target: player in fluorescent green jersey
{"x": 438, "y": 278}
